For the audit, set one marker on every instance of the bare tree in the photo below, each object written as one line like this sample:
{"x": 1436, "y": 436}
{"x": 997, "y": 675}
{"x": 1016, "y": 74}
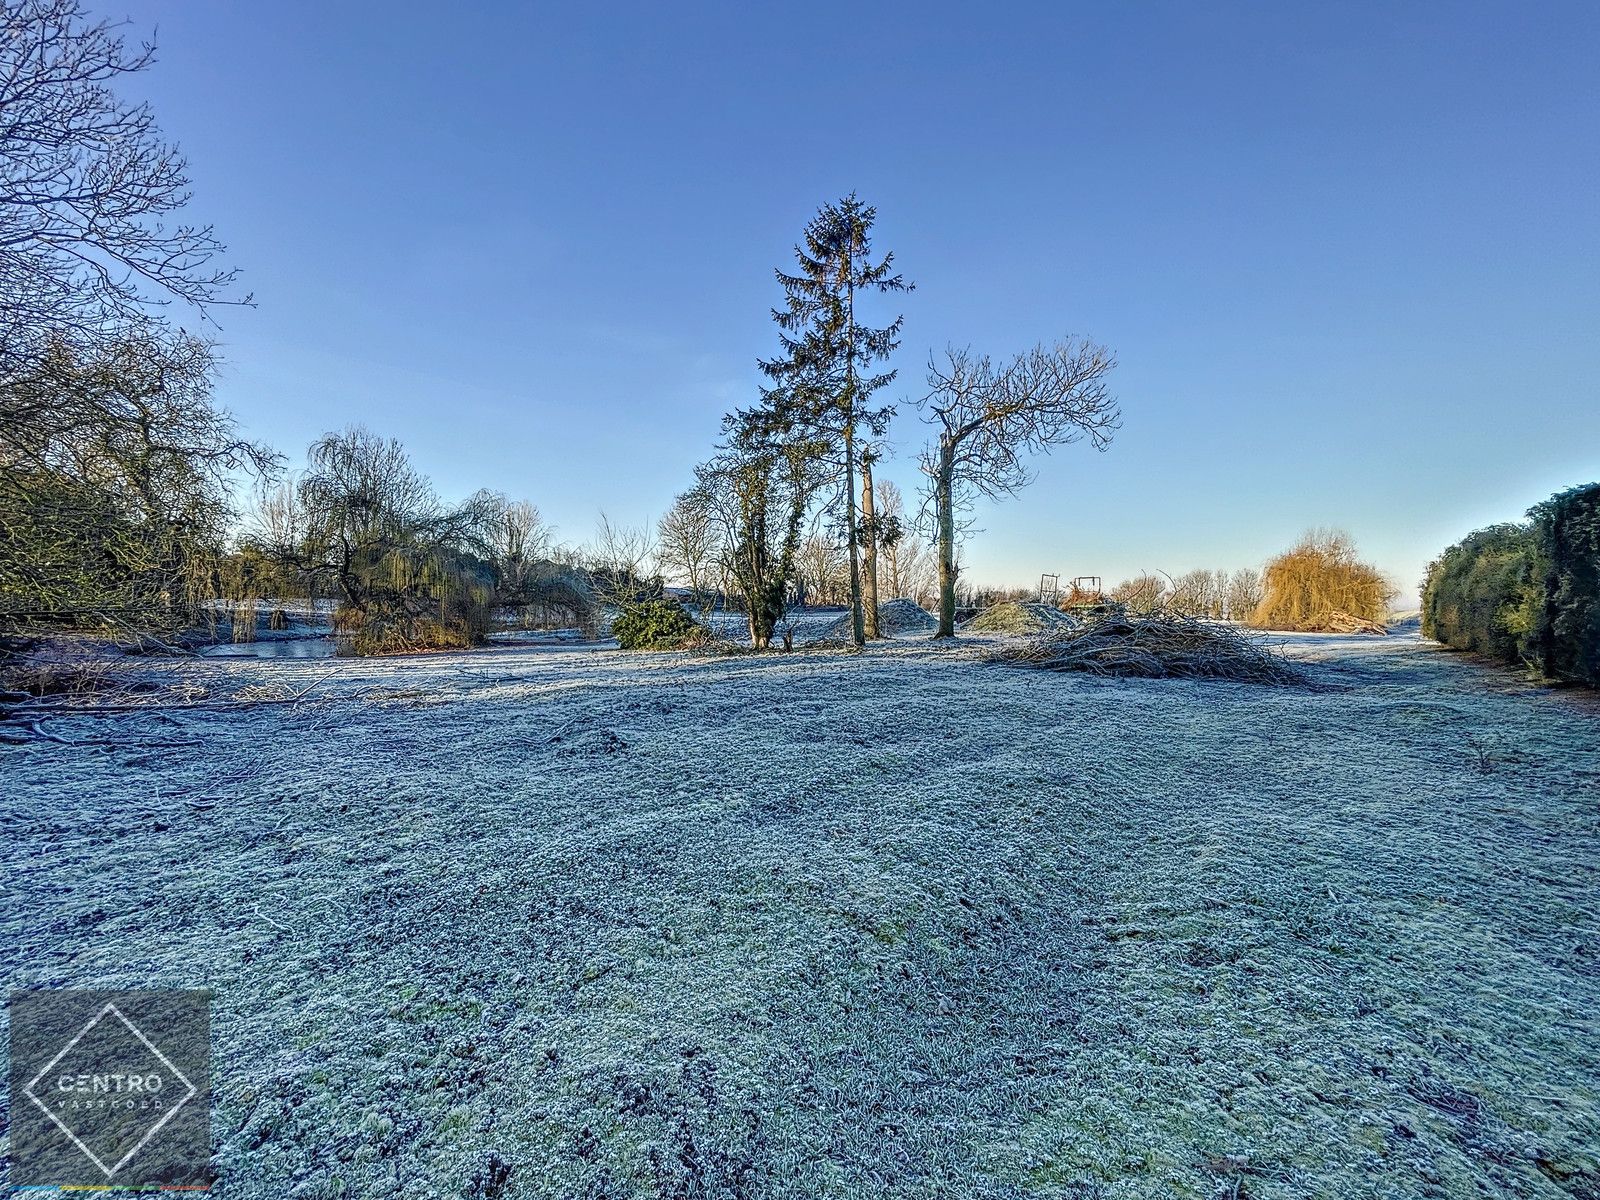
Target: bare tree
{"x": 1244, "y": 593}
{"x": 85, "y": 182}
{"x": 988, "y": 418}
{"x": 1144, "y": 593}
{"x": 517, "y": 537}
{"x": 908, "y": 562}
{"x": 821, "y": 569}
{"x": 688, "y": 538}
{"x": 1199, "y": 593}
{"x": 1219, "y": 595}
{"x": 621, "y": 558}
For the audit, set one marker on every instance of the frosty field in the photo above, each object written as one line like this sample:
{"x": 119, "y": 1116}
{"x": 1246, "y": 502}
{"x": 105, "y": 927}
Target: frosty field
{"x": 556, "y": 922}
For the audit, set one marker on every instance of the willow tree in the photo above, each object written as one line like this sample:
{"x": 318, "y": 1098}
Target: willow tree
{"x": 990, "y": 417}
{"x": 411, "y": 571}
{"x": 831, "y": 358}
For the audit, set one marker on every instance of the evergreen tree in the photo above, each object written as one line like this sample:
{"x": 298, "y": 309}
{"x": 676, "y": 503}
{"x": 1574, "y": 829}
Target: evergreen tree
{"x": 759, "y": 490}
{"x": 830, "y": 358}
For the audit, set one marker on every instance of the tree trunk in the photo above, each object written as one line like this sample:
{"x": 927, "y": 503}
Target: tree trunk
{"x": 857, "y": 630}
{"x": 858, "y": 633}
{"x": 945, "y": 499}
{"x": 869, "y": 551}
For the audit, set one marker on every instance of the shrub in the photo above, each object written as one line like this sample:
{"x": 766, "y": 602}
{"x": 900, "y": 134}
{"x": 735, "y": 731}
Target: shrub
{"x": 653, "y": 625}
{"x": 1318, "y": 581}
{"x": 1483, "y": 594}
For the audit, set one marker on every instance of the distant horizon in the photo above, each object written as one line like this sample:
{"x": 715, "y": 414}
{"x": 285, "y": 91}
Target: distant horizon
{"x": 1345, "y": 258}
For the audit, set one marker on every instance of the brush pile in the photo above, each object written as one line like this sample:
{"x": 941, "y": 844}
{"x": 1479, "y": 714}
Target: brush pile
{"x": 1336, "y": 620}
{"x": 1153, "y": 646}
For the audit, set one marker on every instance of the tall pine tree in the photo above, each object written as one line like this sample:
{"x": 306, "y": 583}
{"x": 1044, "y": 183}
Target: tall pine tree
{"x": 831, "y": 357}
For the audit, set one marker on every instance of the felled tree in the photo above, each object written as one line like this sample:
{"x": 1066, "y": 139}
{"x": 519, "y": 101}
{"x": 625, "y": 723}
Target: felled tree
{"x": 988, "y": 418}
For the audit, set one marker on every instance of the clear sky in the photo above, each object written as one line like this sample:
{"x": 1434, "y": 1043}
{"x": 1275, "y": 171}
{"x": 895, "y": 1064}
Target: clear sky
{"x": 1346, "y": 253}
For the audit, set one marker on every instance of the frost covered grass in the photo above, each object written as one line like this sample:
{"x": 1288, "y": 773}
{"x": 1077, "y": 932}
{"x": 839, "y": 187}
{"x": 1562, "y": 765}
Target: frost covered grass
{"x": 540, "y": 922}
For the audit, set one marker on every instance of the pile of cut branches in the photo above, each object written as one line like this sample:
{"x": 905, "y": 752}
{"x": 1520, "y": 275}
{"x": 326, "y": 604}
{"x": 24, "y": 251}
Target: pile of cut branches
{"x": 1336, "y": 620}
{"x": 1154, "y": 646}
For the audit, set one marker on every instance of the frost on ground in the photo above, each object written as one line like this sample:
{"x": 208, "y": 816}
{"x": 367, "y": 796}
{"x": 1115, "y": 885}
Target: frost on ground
{"x": 537, "y": 922}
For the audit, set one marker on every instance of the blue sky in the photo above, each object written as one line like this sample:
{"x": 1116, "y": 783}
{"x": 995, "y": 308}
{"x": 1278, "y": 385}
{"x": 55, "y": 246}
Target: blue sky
{"x": 1346, "y": 254}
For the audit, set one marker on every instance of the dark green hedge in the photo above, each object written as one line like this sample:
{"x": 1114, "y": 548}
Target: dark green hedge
{"x": 1528, "y": 593}
{"x": 1482, "y": 593}
{"x": 1569, "y": 625}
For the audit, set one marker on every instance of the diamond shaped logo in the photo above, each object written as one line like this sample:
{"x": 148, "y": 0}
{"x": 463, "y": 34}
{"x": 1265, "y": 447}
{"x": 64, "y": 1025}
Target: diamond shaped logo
{"x": 104, "y": 1124}
{"x": 116, "y": 1088}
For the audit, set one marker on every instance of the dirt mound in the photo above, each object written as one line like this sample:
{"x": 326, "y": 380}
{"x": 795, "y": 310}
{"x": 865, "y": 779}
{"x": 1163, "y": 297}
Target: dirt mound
{"x": 1156, "y": 646}
{"x": 1014, "y": 616}
{"x": 894, "y": 618}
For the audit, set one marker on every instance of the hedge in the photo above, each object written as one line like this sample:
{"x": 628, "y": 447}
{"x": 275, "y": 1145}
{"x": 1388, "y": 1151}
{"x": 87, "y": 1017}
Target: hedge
{"x": 1569, "y": 625}
{"x": 1528, "y": 593}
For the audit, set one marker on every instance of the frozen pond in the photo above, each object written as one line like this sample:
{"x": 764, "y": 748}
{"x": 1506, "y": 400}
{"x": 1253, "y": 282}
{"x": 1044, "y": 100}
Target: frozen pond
{"x": 300, "y": 647}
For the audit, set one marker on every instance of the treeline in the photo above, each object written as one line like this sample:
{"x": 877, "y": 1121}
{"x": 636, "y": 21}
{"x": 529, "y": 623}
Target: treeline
{"x": 117, "y": 499}
{"x": 119, "y": 474}
{"x": 1525, "y": 593}
{"x": 788, "y": 508}
{"x": 115, "y": 496}
{"x": 1215, "y": 594}
{"x": 1320, "y": 584}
